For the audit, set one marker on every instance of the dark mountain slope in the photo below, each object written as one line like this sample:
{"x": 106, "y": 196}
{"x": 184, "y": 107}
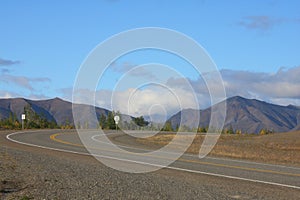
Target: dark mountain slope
{"x": 249, "y": 115}
{"x": 56, "y": 109}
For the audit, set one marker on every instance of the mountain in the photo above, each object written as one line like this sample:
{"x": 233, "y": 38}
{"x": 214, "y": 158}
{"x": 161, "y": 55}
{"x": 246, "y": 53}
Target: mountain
{"x": 55, "y": 109}
{"x": 247, "y": 115}
{"x": 8, "y": 106}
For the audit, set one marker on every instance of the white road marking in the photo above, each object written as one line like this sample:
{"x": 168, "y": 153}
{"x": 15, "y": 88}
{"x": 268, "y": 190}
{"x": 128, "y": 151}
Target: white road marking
{"x": 252, "y": 162}
{"x": 207, "y": 157}
{"x": 151, "y": 164}
{"x": 124, "y": 146}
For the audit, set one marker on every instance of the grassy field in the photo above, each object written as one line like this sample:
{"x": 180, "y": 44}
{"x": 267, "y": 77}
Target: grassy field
{"x": 280, "y": 148}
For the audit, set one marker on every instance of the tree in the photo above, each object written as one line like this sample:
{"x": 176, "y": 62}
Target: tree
{"x": 167, "y": 126}
{"x": 37, "y": 120}
{"x": 86, "y": 125}
{"x": 78, "y": 125}
{"x": 140, "y": 121}
{"x": 67, "y": 125}
{"x": 110, "y": 122}
{"x": 102, "y": 121}
{"x": 229, "y": 130}
{"x": 202, "y": 130}
{"x": 11, "y": 122}
{"x": 265, "y": 131}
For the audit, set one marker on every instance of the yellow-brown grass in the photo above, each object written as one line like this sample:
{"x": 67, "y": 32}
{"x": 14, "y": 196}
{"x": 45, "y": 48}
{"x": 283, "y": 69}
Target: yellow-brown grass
{"x": 281, "y": 148}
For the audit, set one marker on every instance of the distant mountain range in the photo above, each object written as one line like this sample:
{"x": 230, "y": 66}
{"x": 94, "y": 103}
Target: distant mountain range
{"x": 56, "y": 109}
{"x": 247, "y": 115}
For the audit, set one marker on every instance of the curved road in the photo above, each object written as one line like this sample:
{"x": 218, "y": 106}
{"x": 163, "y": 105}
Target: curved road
{"x": 252, "y": 172}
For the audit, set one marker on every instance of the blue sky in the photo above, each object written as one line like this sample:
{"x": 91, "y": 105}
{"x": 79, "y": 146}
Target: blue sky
{"x": 43, "y": 43}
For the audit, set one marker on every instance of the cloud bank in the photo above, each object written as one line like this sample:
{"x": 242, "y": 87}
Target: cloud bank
{"x": 5, "y": 62}
{"x": 259, "y": 22}
{"x": 22, "y": 81}
{"x": 281, "y": 87}
{"x": 264, "y": 22}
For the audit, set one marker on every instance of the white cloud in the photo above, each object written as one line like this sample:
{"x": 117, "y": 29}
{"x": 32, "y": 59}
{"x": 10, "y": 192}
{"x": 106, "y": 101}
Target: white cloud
{"x": 260, "y": 22}
{"x": 22, "y": 81}
{"x": 5, "y": 62}
{"x": 140, "y": 102}
{"x": 133, "y": 70}
{"x": 7, "y": 94}
{"x": 284, "y": 84}
{"x": 265, "y": 22}
{"x": 281, "y": 87}
{"x": 163, "y": 100}
{"x": 33, "y": 96}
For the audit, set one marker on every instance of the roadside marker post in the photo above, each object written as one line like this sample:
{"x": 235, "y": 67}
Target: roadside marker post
{"x": 117, "y": 119}
{"x": 23, "y": 118}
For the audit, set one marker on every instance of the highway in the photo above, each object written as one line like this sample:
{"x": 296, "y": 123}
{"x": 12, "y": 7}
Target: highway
{"x": 136, "y": 154}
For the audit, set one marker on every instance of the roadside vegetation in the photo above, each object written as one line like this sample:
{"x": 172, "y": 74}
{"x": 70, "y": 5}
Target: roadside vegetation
{"x": 278, "y": 148}
{"x": 36, "y": 120}
{"x": 33, "y": 121}
{"x": 136, "y": 123}
{"x": 204, "y": 129}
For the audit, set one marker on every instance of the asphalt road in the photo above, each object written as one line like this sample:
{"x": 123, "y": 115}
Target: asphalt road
{"x": 135, "y": 156}
{"x": 187, "y": 178}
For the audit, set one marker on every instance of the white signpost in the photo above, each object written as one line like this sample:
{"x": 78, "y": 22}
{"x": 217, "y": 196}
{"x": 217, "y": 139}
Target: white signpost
{"x": 117, "y": 119}
{"x": 23, "y": 117}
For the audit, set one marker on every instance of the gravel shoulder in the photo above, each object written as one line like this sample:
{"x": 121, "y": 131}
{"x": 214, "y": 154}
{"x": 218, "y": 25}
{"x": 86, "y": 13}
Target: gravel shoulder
{"x": 33, "y": 173}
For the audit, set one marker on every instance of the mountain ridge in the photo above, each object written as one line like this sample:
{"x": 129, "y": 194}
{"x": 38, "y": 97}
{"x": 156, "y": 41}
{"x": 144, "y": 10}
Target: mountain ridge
{"x": 248, "y": 116}
{"x": 55, "y": 109}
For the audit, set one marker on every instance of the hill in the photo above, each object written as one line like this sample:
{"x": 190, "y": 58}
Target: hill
{"x": 248, "y": 115}
{"x": 56, "y": 109}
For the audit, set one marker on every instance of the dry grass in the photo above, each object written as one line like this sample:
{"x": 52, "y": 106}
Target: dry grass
{"x": 281, "y": 148}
